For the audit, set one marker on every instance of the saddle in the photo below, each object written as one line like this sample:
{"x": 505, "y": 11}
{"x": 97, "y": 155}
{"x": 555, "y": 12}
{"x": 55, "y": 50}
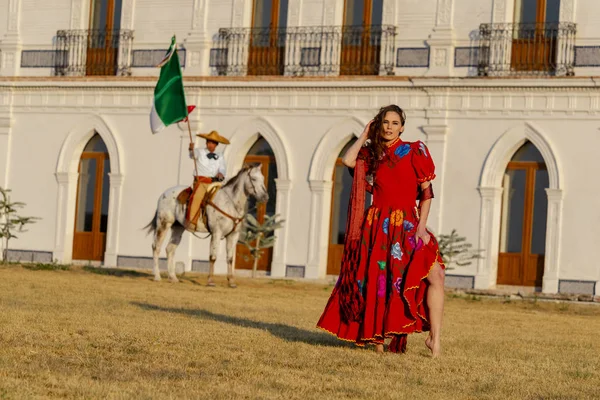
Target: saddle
{"x": 185, "y": 198}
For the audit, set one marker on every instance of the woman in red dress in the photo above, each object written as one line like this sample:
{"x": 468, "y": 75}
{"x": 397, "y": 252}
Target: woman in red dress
{"x": 392, "y": 277}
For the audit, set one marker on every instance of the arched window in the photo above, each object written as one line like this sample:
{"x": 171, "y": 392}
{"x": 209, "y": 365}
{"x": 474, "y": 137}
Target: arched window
{"x": 524, "y": 213}
{"x": 91, "y": 214}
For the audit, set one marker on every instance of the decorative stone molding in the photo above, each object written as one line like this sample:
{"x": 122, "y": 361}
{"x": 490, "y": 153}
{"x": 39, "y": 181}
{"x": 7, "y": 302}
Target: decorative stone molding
{"x": 198, "y": 43}
{"x": 441, "y": 41}
{"x": 491, "y": 189}
{"x": 10, "y": 45}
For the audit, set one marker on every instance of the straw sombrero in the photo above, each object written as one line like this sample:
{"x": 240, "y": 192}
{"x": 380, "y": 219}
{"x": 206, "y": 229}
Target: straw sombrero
{"x": 214, "y": 136}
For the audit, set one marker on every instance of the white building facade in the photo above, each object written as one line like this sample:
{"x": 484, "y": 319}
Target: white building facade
{"x": 503, "y": 92}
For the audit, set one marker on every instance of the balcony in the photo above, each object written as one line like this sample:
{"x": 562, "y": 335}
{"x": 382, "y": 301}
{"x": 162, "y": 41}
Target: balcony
{"x": 93, "y": 52}
{"x": 305, "y": 51}
{"x": 537, "y": 49}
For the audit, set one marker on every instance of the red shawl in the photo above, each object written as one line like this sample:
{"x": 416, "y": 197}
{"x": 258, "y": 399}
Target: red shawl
{"x": 351, "y": 300}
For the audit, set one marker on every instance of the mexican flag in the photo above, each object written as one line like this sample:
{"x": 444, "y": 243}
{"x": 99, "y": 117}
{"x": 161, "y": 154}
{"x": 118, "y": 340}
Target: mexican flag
{"x": 169, "y": 104}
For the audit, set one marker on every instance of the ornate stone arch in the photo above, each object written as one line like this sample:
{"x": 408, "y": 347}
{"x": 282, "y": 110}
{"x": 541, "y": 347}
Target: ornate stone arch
{"x": 66, "y": 177}
{"x": 321, "y": 171}
{"x": 490, "y": 189}
{"x": 241, "y": 141}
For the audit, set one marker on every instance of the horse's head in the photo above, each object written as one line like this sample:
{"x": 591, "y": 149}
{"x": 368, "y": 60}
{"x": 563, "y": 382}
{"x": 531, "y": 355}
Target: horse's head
{"x": 255, "y": 184}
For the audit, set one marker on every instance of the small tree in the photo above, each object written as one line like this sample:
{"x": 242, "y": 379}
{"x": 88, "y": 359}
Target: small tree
{"x": 10, "y": 222}
{"x": 258, "y": 237}
{"x": 455, "y": 249}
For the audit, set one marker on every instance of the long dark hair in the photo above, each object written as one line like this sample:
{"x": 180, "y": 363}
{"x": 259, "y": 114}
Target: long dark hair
{"x": 377, "y": 144}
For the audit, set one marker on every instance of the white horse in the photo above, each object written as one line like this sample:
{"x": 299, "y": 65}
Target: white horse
{"x": 225, "y": 215}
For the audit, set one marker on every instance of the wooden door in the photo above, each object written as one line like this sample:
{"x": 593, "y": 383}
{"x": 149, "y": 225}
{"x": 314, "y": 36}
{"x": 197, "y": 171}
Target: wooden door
{"x": 266, "y": 53}
{"x": 103, "y": 37}
{"x": 243, "y": 260}
{"x": 535, "y": 35}
{"x": 361, "y": 37}
{"x": 523, "y": 231}
{"x": 91, "y": 213}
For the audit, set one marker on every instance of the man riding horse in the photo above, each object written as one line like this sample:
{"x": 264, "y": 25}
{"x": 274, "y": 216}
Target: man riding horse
{"x": 211, "y": 168}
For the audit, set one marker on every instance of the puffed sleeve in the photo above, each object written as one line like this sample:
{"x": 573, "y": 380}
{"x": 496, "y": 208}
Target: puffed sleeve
{"x": 422, "y": 162}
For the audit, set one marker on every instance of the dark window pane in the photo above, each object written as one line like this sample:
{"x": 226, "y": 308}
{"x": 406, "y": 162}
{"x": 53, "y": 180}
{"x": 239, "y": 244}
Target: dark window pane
{"x": 552, "y": 10}
{"x": 527, "y": 11}
{"x": 86, "y": 194}
{"x": 261, "y": 148}
{"x": 342, "y": 186}
{"x": 262, "y": 13}
{"x": 513, "y": 208}
{"x": 540, "y": 212}
{"x": 283, "y": 13}
{"x": 96, "y": 144}
{"x": 272, "y": 189}
{"x": 105, "y": 195}
{"x": 528, "y": 152}
{"x": 377, "y": 12}
{"x": 355, "y": 10}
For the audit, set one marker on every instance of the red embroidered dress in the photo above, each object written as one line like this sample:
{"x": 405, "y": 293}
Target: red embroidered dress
{"x": 382, "y": 285}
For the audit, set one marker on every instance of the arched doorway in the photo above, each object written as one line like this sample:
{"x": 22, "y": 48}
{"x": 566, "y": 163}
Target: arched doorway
{"x": 260, "y": 153}
{"x": 91, "y": 213}
{"x": 340, "y": 196}
{"x": 523, "y": 223}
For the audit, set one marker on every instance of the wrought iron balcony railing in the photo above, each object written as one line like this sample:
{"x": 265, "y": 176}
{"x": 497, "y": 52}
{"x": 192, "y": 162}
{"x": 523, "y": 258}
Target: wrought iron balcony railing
{"x": 93, "y": 52}
{"x": 527, "y": 49}
{"x": 305, "y": 51}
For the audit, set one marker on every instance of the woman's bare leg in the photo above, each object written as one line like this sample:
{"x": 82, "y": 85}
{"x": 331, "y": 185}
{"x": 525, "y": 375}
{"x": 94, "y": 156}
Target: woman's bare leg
{"x": 435, "y": 304}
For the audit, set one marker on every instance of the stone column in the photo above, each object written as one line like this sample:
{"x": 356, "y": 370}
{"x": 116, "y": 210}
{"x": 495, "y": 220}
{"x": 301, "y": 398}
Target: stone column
{"x": 198, "y": 43}
{"x": 114, "y": 211}
{"x": 65, "y": 216}
{"x": 318, "y": 241}
{"x": 278, "y": 265}
{"x": 10, "y": 48}
{"x": 441, "y": 41}
{"x": 553, "y": 231}
{"x": 489, "y": 236}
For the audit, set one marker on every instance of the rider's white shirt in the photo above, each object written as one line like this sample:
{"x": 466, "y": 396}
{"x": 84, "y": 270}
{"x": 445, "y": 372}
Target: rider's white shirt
{"x": 207, "y": 166}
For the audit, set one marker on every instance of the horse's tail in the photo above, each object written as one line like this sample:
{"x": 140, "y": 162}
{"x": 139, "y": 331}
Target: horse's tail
{"x": 151, "y": 227}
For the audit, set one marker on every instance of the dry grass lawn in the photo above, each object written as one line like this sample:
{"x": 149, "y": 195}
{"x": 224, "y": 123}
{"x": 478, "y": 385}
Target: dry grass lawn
{"x": 82, "y": 334}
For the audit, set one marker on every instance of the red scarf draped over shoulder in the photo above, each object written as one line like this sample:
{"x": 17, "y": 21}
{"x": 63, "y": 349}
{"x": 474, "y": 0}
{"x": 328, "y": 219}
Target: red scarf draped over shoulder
{"x": 351, "y": 300}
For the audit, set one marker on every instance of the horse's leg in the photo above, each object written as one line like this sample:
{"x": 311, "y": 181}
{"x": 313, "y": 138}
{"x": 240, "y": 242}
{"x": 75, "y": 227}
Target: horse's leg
{"x": 231, "y": 247}
{"x": 159, "y": 236}
{"x": 214, "y": 248}
{"x": 176, "y": 234}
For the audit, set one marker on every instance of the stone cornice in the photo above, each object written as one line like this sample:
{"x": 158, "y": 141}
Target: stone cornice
{"x": 307, "y": 83}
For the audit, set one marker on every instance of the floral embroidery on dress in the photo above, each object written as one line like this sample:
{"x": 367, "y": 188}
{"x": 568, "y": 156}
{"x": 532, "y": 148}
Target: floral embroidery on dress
{"x": 371, "y": 215}
{"x": 381, "y": 264}
{"x": 381, "y": 286}
{"x": 408, "y": 226}
{"x": 397, "y": 217}
{"x": 403, "y": 150}
{"x": 398, "y": 285}
{"x": 397, "y": 251}
{"x": 386, "y": 225}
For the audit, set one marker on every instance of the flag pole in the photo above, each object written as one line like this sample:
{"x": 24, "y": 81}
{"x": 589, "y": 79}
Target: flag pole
{"x": 192, "y": 142}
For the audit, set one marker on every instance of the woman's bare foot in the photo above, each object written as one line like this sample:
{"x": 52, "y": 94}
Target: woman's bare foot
{"x": 434, "y": 346}
{"x": 379, "y": 348}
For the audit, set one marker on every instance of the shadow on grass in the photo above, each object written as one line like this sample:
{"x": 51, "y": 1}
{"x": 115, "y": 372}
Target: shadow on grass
{"x": 285, "y": 332}
{"x": 116, "y": 272}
